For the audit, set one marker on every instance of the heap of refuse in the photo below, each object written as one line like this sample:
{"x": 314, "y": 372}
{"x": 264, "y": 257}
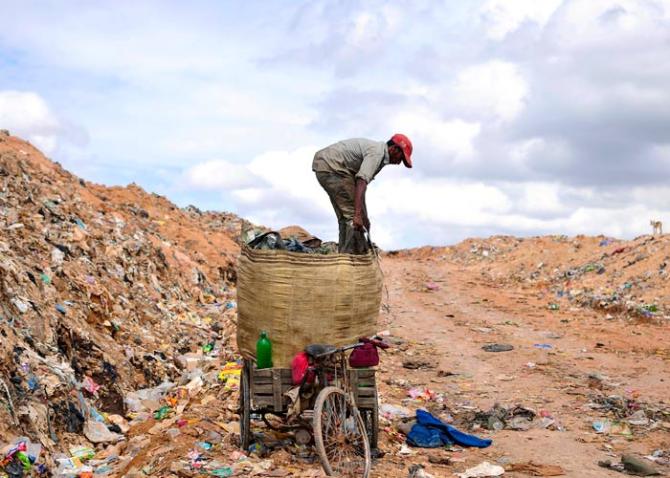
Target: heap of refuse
{"x": 116, "y": 310}
{"x": 619, "y": 278}
{"x": 291, "y": 239}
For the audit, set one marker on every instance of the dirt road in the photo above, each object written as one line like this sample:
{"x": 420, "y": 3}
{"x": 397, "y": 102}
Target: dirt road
{"x": 583, "y": 355}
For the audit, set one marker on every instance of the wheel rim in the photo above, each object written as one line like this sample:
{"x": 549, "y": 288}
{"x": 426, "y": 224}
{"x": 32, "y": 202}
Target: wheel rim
{"x": 341, "y": 437}
{"x": 245, "y": 406}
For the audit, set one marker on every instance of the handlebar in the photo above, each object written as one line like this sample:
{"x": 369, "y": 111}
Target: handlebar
{"x": 362, "y": 341}
{"x": 340, "y": 350}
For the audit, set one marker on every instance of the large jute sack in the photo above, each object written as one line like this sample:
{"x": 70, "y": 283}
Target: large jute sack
{"x": 301, "y": 299}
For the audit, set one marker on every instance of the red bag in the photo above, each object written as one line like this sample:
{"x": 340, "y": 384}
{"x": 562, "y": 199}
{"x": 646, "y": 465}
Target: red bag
{"x": 364, "y": 356}
{"x": 300, "y": 368}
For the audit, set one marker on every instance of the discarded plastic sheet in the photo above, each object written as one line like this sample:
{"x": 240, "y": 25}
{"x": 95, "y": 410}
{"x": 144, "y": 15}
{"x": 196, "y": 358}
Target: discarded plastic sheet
{"x": 430, "y": 432}
{"x": 482, "y": 470}
{"x": 223, "y": 472}
{"x": 97, "y": 432}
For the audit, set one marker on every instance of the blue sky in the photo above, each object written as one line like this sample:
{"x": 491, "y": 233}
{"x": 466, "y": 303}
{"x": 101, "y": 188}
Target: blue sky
{"x": 527, "y": 117}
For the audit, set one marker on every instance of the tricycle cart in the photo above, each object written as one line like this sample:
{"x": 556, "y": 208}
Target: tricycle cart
{"x": 341, "y": 413}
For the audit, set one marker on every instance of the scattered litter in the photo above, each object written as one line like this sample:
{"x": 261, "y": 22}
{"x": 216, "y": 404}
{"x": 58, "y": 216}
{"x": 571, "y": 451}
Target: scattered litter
{"x": 97, "y": 432}
{"x": 230, "y": 375}
{"x": 163, "y": 412}
{"x": 392, "y": 412}
{"x": 421, "y": 393}
{"x": 418, "y": 363}
{"x": 405, "y": 450}
{"x": 516, "y": 418}
{"x": 90, "y": 386}
{"x": 498, "y": 347}
{"x": 417, "y": 471}
{"x": 482, "y": 470}
{"x": 439, "y": 460}
{"x": 631, "y": 465}
{"x": 430, "y": 432}
{"x": 222, "y": 472}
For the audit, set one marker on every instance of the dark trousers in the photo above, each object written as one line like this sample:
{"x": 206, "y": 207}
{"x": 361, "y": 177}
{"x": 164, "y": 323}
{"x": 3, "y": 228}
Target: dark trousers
{"x": 341, "y": 190}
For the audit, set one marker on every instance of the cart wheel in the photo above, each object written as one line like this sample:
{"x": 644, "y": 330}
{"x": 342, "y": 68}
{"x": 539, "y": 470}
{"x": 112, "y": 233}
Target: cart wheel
{"x": 371, "y": 418}
{"x": 339, "y": 435}
{"x": 245, "y": 405}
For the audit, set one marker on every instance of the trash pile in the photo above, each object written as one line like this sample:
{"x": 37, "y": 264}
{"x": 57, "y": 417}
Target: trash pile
{"x": 516, "y": 417}
{"x": 626, "y": 279}
{"x": 627, "y": 416}
{"x": 116, "y": 313}
{"x": 292, "y": 239}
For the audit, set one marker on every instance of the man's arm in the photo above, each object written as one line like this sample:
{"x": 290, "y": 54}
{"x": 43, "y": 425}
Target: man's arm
{"x": 373, "y": 155}
{"x": 360, "y": 210}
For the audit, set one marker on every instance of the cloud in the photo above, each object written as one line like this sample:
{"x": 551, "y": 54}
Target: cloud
{"x": 527, "y": 117}
{"x": 450, "y": 140}
{"x": 503, "y": 17}
{"x": 276, "y": 188}
{"x": 219, "y": 174}
{"x": 496, "y": 88}
{"x": 26, "y": 114}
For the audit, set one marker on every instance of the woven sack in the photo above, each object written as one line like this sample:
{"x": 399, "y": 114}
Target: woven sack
{"x": 302, "y": 299}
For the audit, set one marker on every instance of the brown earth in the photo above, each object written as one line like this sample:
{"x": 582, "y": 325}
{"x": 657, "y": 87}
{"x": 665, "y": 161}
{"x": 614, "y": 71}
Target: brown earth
{"x": 145, "y": 284}
{"x": 628, "y": 358}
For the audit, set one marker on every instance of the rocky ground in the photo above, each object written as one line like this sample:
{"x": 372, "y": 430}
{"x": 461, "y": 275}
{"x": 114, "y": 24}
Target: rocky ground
{"x": 117, "y": 320}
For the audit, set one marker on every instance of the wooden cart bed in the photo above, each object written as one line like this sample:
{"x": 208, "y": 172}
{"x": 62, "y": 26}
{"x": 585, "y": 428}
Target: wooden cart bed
{"x": 269, "y": 385}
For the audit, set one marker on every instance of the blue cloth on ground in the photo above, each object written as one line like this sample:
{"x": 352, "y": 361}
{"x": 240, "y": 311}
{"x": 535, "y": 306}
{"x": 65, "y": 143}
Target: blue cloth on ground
{"x": 430, "y": 432}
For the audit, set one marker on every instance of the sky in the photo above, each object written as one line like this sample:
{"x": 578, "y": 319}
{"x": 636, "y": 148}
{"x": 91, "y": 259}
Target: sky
{"x": 528, "y": 117}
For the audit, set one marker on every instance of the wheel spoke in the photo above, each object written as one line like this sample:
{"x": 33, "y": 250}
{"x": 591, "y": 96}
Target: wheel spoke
{"x": 341, "y": 443}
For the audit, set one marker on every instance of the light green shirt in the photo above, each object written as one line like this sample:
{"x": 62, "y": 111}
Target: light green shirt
{"x": 359, "y": 157}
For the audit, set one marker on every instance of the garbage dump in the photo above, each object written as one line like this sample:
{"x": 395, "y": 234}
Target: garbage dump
{"x": 107, "y": 296}
{"x": 119, "y": 319}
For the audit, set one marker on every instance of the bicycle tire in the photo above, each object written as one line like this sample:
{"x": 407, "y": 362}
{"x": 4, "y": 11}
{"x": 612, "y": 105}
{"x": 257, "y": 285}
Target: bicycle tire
{"x": 334, "y": 411}
{"x": 245, "y": 406}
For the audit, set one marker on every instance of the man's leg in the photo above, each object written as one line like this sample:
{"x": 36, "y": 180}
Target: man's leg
{"x": 340, "y": 190}
{"x": 352, "y": 241}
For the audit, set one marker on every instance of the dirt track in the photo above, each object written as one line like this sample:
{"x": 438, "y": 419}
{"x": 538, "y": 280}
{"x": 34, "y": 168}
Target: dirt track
{"x": 559, "y": 381}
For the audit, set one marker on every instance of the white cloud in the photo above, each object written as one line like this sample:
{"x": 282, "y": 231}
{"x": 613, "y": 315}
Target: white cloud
{"x": 541, "y": 198}
{"x": 438, "y": 201}
{"x": 276, "y": 188}
{"x": 503, "y": 17}
{"x": 219, "y": 174}
{"x": 290, "y": 172}
{"x": 605, "y": 23}
{"x": 26, "y": 114}
{"x": 494, "y": 88}
{"x": 452, "y": 138}
{"x": 624, "y": 222}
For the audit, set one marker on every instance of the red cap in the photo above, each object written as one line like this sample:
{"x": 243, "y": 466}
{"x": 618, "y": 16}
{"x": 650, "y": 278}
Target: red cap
{"x": 406, "y": 146}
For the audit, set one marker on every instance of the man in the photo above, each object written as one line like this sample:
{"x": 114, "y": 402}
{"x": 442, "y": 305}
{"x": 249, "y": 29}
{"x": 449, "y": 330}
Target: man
{"x": 344, "y": 170}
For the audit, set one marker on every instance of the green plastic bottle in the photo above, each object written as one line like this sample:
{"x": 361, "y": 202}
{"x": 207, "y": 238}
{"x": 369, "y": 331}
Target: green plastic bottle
{"x": 264, "y": 351}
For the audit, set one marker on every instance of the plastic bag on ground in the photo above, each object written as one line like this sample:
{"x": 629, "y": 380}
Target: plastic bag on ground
{"x": 482, "y": 470}
{"x": 97, "y": 432}
{"x": 134, "y": 399}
